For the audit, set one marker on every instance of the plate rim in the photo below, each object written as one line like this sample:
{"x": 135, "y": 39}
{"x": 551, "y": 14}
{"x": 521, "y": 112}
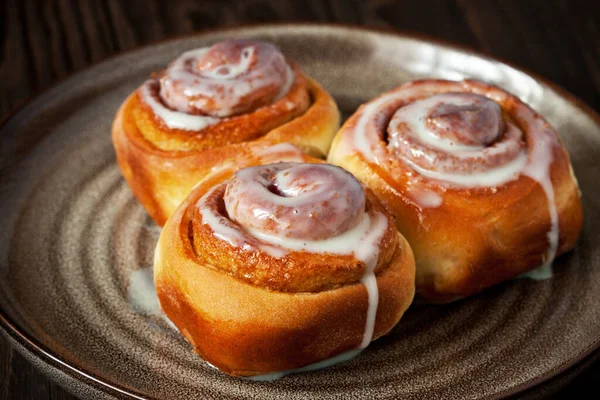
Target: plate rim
{"x": 37, "y": 349}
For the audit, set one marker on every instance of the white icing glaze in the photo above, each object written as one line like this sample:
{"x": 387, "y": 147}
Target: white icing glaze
{"x": 370, "y": 281}
{"x": 572, "y": 173}
{"x": 225, "y": 72}
{"x": 538, "y": 169}
{"x": 227, "y": 232}
{"x": 193, "y": 97}
{"x": 141, "y": 292}
{"x": 285, "y": 88}
{"x": 426, "y": 198}
{"x": 367, "y": 250}
{"x": 174, "y": 119}
{"x": 348, "y": 355}
{"x": 490, "y": 178}
{"x": 414, "y": 116}
{"x": 342, "y": 244}
{"x": 227, "y": 85}
{"x": 539, "y": 274}
{"x": 370, "y": 118}
{"x": 461, "y": 117}
{"x": 295, "y": 200}
{"x": 221, "y": 230}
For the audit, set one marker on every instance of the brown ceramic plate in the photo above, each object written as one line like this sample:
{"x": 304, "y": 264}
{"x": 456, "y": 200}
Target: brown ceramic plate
{"x": 72, "y": 236}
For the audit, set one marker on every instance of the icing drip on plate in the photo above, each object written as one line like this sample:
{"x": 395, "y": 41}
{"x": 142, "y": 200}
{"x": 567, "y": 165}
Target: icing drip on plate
{"x": 345, "y": 356}
{"x": 141, "y": 292}
{"x": 539, "y": 274}
{"x": 142, "y": 297}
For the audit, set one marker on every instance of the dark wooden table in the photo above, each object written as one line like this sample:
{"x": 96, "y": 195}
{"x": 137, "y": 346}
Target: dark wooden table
{"x": 44, "y": 41}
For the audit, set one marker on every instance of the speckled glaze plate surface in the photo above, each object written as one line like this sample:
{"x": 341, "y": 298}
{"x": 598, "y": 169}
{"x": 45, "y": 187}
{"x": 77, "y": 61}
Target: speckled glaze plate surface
{"x": 75, "y": 246}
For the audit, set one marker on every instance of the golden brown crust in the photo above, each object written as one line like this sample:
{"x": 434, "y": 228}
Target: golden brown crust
{"x": 160, "y": 179}
{"x": 245, "y": 329}
{"x": 477, "y": 237}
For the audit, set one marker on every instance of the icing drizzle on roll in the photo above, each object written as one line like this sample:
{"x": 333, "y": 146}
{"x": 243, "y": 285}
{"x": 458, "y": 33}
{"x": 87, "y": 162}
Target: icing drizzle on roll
{"x": 458, "y": 138}
{"x": 288, "y": 206}
{"x": 460, "y": 135}
{"x": 295, "y": 201}
{"x": 206, "y": 85}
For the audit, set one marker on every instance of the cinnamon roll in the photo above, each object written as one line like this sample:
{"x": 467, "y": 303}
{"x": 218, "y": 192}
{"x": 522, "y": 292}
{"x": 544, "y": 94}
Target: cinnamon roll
{"x": 282, "y": 265}
{"x": 206, "y": 106}
{"x": 480, "y": 184}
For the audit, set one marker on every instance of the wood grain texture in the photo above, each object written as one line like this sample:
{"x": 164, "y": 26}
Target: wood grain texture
{"x": 42, "y": 42}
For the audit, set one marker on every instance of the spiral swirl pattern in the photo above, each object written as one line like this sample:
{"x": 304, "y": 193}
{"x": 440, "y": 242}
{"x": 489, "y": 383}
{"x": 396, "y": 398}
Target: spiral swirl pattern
{"x": 280, "y": 212}
{"x": 455, "y": 133}
{"x": 300, "y": 201}
{"x": 449, "y": 155}
{"x": 229, "y": 78}
{"x": 227, "y": 81}
{"x": 461, "y": 134}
